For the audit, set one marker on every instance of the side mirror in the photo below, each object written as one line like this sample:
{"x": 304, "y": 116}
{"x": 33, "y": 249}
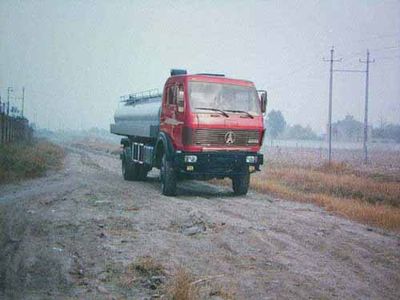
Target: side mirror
{"x": 179, "y": 100}
{"x": 264, "y": 101}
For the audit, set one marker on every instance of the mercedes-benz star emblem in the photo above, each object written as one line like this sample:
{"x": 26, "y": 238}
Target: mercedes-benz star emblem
{"x": 230, "y": 137}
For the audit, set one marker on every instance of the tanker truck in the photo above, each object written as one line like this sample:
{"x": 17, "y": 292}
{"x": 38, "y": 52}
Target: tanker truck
{"x": 201, "y": 126}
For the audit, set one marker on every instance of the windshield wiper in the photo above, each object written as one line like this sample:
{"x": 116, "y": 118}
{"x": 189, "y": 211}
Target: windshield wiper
{"x": 214, "y": 109}
{"x": 242, "y": 111}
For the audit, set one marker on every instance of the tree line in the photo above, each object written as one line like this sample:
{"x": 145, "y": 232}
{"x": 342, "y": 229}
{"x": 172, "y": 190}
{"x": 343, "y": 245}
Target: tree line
{"x": 347, "y": 129}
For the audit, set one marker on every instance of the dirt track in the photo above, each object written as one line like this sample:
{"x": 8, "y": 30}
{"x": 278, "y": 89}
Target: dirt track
{"x": 72, "y": 234}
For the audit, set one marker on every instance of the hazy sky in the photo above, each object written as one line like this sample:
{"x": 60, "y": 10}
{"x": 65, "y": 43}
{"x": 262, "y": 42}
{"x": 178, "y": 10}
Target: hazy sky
{"x": 75, "y": 58}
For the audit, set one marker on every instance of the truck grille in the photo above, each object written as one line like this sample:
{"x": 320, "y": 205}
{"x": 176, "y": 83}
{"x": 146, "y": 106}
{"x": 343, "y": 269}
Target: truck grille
{"x": 212, "y": 137}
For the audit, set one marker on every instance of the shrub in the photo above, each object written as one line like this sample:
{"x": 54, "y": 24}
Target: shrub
{"x": 28, "y": 160}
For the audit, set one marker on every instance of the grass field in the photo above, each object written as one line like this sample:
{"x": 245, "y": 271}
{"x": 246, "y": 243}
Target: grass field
{"x": 367, "y": 193}
{"x": 28, "y": 160}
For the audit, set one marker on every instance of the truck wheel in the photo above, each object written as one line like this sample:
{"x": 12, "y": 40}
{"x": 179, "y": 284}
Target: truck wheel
{"x": 127, "y": 171}
{"x": 141, "y": 171}
{"x": 167, "y": 177}
{"x": 240, "y": 184}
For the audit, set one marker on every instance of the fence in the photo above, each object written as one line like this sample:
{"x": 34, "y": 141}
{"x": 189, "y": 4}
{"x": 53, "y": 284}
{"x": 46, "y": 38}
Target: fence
{"x": 14, "y": 129}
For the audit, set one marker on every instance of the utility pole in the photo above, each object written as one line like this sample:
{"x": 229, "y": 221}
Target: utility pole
{"x": 331, "y": 60}
{"x": 365, "y": 147}
{"x": 1, "y": 122}
{"x": 23, "y": 101}
{"x": 8, "y": 121}
{"x": 366, "y": 101}
{"x": 9, "y": 90}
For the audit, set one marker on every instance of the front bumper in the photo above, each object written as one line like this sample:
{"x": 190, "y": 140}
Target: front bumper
{"x": 217, "y": 164}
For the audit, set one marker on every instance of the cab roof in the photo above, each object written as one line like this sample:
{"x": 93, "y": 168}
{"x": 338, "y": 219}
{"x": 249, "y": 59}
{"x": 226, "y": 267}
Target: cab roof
{"x": 215, "y": 78}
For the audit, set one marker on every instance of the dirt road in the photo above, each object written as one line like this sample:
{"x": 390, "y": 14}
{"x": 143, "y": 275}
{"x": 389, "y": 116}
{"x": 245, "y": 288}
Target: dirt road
{"x": 74, "y": 234}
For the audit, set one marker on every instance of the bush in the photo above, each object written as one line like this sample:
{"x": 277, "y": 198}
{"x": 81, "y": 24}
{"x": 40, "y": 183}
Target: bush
{"x": 28, "y": 160}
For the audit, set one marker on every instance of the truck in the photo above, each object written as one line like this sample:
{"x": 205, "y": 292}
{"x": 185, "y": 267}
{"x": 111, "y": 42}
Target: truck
{"x": 201, "y": 126}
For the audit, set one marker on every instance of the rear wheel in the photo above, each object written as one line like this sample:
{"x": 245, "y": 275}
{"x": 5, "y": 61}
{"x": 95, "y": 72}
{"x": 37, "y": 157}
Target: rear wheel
{"x": 133, "y": 170}
{"x": 142, "y": 171}
{"x": 127, "y": 170}
{"x": 167, "y": 177}
{"x": 240, "y": 184}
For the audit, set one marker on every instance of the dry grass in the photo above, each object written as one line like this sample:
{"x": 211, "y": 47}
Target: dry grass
{"x": 98, "y": 145}
{"x": 181, "y": 286}
{"x": 184, "y": 286}
{"x": 338, "y": 181}
{"x": 337, "y": 188}
{"x": 28, "y": 160}
{"x": 221, "y": 292}
{"x": 143, "y": 268}
{"x": 146, "y": 266}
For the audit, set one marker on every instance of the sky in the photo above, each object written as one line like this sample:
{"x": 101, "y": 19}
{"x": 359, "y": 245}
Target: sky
{"x": 75, "y": 58}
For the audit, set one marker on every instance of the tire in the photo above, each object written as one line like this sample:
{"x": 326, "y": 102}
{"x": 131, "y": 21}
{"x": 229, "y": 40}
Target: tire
{"x": 240, "y": 184}
{"x": 141, "y": 171}
{"x": 133, "y": 171}
{"x": 167, "y": 177}
{"x": 127, "y": 171}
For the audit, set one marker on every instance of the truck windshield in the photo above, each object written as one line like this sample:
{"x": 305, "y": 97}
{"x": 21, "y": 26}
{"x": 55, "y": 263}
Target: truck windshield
{"x": 225, "y": 97}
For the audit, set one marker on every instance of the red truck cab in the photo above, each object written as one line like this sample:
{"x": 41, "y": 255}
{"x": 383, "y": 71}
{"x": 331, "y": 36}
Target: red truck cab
{"x": 215, "y": 125}
{"x": 195, "y": 106}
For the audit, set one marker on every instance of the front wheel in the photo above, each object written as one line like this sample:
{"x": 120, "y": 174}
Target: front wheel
{"x": 240, "y": 184}
{"x": 167, "y": 177}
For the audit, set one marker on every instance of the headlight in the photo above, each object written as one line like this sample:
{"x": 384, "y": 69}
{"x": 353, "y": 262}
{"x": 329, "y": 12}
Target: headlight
{"x": 251, "y": 159}
{"x": 190, "y": 158}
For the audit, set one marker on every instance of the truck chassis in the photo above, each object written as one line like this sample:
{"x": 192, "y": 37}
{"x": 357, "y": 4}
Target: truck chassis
{"x": 139, "y": 157}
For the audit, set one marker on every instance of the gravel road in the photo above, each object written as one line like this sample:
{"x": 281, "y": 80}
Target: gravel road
{"x": 74, "y": 233}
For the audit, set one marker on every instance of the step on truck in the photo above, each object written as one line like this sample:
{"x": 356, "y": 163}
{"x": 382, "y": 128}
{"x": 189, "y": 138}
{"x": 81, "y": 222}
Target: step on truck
{"x": 201, "y": 126}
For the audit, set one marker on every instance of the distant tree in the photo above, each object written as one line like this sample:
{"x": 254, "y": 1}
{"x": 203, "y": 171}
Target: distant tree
{"x": 300, "y": 133}
{"x": 348, "y": 129}
{"x": 387, "y": 131}
{"x": 276, "y": 123}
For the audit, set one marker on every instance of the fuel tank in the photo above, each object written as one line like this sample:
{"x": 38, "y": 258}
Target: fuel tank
{"x": 138, "y": 118}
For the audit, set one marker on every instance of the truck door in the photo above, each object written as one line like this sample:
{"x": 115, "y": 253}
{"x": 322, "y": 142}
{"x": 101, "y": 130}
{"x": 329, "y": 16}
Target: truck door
{"x": 172, "y": 116}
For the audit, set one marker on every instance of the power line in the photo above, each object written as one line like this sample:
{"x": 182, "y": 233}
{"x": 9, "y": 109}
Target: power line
{"x": 380, "y": 37}
{"x": 357, "y": 53}
{"x": 388, "y": 57}
{"x": 386, "y": 48}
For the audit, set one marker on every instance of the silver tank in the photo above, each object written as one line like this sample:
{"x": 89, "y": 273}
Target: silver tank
{"x": 141, "y": 118}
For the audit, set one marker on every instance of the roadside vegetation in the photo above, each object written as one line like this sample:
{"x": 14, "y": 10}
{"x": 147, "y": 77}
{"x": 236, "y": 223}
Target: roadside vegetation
{"x": 149, "y": 274}
{"x": 369, "y": 198}
{"x": 185, "y": 286}
{"x": 28, "y": 160}
{"x": 96, "y": 144}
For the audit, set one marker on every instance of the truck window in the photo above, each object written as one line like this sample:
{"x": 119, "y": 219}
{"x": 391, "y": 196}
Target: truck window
{"x": 179, "y": 94}
{"x": 224, "y": 96}
{"x": 179, "y": 98}
{"x": 171, "y": 100}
